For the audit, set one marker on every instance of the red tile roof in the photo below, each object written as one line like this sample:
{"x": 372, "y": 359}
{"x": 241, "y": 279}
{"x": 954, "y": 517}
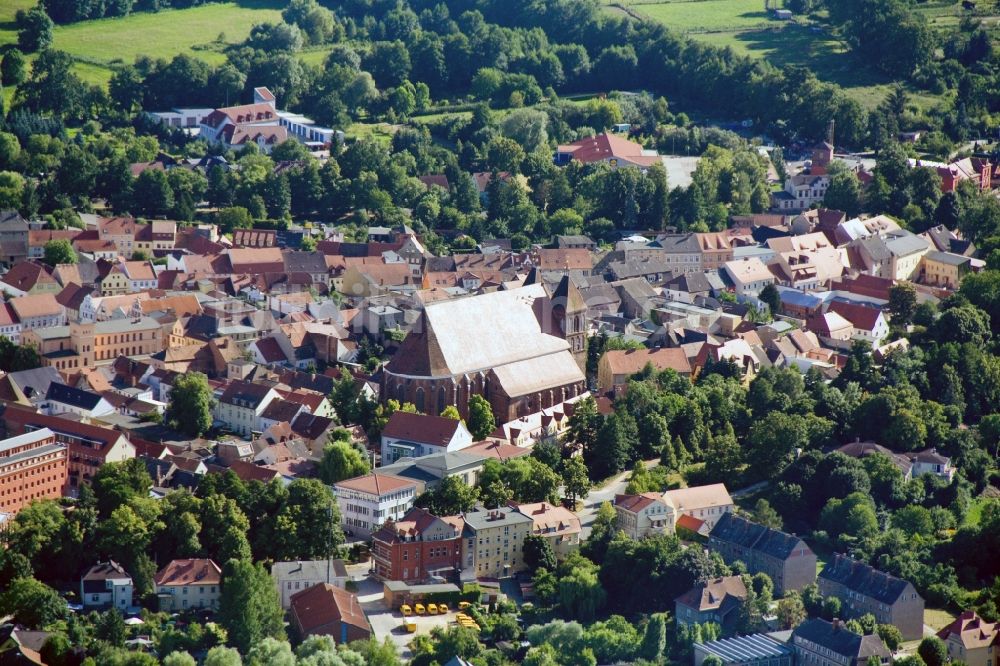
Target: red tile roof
{"x": 189, "y": 572}
{"x": 375, "y": 484}
{"x": 422, "y": 428}
{"x": 322, "y": 604}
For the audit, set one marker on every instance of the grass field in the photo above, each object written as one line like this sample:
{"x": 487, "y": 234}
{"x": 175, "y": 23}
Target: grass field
{"x": 935, "y": 618}
{"x": 743, "y": 26}
{"x": 708, "y": 15}
{"x": 99, "y": 45}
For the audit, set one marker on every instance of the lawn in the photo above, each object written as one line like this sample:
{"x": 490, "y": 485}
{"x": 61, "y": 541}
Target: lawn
{"x": 707, "y": 15}
{"x": 8, "y": 8}
{"x": 165, "y": 34}
{"x": 936, "y": 619}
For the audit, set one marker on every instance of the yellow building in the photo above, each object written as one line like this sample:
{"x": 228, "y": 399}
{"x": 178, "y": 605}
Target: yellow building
{"x": 493, "y": 542}
{"x": 944, "y": 269}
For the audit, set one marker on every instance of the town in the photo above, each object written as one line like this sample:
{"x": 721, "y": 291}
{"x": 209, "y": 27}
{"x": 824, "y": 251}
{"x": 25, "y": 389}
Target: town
{"x": 467, "y": 334}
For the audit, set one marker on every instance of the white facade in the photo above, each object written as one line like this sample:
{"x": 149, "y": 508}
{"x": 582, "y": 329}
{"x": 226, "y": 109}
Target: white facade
{"x": 293, "y": 577}
{"x": 395, "y": 448}
{"x": 362, "y": 513}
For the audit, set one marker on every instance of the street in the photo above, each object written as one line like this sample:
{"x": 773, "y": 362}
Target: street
{"x": 605, "y": 493}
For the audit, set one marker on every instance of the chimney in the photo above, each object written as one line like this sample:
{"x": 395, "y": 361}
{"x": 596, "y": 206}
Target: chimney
{"x": 837, "y": 624}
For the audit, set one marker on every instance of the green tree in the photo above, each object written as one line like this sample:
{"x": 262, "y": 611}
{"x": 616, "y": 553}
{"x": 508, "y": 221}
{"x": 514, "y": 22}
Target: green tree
{"x": 116, "y": 484}
{"x": 844, "y": 192}
{"x": 152, "y": 193}
{"x": 59, "y": 251}
{"x": 850, "y": 518}
{"x": 654, "y": 640}
{"x": 791, "y": 611}
{"x": 890, "y": 635}
{"x": 32, "y": 604}
{"x": 308, "y": 525}
{"x": 581, "y": 594}
{"x": 272, "y": 652}
{"x": 452, "y": 496}
{"x": 179, "y": 659}
{"x": 222, "y": 656}
{"x": 34, "y": 29}
{"x": 764, "y": 514}
{"x": 933, "y": 651}
{"x": 451, "y": 412}
{"x": 902, "y": 303}
{"x": 576, "y": 482}
{"x": 190, "y": 409}
{"x": 340, "y": 461}
{"x": 249, "y": 608}
{"x": 538, "y": 553}
{"x": 13, "y": 68}
{"x": 481, "y": 421}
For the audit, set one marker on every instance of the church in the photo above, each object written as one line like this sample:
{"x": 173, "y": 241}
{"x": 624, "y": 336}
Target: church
{"x": 523, "y": 349}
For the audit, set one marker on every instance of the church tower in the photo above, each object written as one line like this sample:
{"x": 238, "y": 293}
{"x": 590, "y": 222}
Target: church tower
{"x": 570, "y": 313}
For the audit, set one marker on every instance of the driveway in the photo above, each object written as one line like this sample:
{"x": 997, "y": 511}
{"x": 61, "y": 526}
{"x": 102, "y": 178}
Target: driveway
{"x": 606, "y": 493}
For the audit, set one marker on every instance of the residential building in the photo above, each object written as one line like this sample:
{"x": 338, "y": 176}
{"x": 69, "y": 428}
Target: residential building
{"x": 242, "y": 405}
{"x": 29, "y": 277}
{"x": 748, "y": 275}
{"x": 944, "y": 269}
{"x": 261, "y": 123}
{"x": 10, "y": 324}
{"x": 63, "y": 399}
{"x": 366, "y": 502}
{"x": 13, "y": 238}
{"x": 32, "y": 466}
{"x": 617, "y": 366}
{"x": 605, "y": 147}
{"x": 89, "y": 446}
{"x": 820, "y": 643}
{"x": 717, "y": 601}
{"x": 493, "y": 542}
{"x": 705, "y": 504}
{"x": 327, "y": 610}
{"x": 716, "y": 249}
{"x": 643, "y": 515}
{"x": 185, "y": 584}
{"x": 785, "y": 558}
{"x": 864, "y": 589}
{"x": 556, "y": 524}
{"x": 530, "y": 348}
{"x": 293, "y": 577}
{"x": 907, "y": 252}
{"x": 869, "y": 323}
{"x": 752, "y": 650}
{"x": 800, "y": 192}
{"x": 418, "y": 547}
{"x": 85, "y": 345}
{"x": 929, "y": 461}
{"x": 38, "y": 311}
{"x": 575, "y": 242}
{"x": 106, "y": 585}
{"x": 972, "y": 640}
{"x": 910, "y": 464}
{"x": 414, "y": 435}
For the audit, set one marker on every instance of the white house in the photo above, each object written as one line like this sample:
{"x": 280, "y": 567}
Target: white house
{"x": 106, "y": 585}
{"x": 366, "y": 502}
{"x": 415, "y": 435}
{"x": 63, "y": 399}
{"x": 241, "y": 405}
{"x": 869, "y": 323}
{"x": 749, "y": 275}
{"x": 10, "y": 325}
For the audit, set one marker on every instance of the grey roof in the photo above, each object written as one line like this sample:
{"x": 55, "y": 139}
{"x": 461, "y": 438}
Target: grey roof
{"x": 11, "y": 220}
{"x": 840, "y": 640}
{"x": 26, "y": 438}
{"x": 904, "y": 243}
{"x": 68, "y": 395}
{"x": 487, "y": 518}
{"x": 562, "y": 241}
{"x": 947, "y": 258}
{"x": 737, "y": 530}
{"x": 433, "y": 467}
{"x": 305, "y": 262}
{"x": 864, "y": 580}
{"x": 309, "y": 570}
{"x": 746, "y": 648}
{"x": 875, "y": 247}
{"x": 692, "y": 283}
{"x": 677, "y": 243}
{"x": 36, "y": 381}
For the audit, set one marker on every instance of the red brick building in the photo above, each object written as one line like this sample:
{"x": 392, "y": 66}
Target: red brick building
{"x": 32, "y": 466}
{"x": 418, "y": 545}
{"x": 89, "y": 446}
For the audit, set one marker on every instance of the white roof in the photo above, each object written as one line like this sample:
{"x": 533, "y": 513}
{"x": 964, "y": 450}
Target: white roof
{"x": 699, "y": 497}
{"x": 748, "y": 270}
{"x": 538, "y": 374}
{"x": 26, "y": 438}
{"x": 491, "y": 330}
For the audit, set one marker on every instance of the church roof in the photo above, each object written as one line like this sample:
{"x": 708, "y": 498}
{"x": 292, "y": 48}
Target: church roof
{"x": 466, "y": 335}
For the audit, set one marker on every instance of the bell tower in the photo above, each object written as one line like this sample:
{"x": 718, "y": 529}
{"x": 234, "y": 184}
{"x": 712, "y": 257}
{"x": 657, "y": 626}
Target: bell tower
{"x": 570, "y": 312}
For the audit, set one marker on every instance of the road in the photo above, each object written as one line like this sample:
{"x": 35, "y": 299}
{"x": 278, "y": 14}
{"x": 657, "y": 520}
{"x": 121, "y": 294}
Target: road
{"x": 606, "y": 493}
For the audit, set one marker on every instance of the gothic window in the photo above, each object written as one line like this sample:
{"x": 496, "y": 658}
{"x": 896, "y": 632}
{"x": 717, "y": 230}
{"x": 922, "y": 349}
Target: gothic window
{"x": 420, "y": 400}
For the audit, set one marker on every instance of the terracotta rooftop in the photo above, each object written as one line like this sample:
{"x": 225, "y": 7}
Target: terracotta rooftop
{"x": 189, "y": 572}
